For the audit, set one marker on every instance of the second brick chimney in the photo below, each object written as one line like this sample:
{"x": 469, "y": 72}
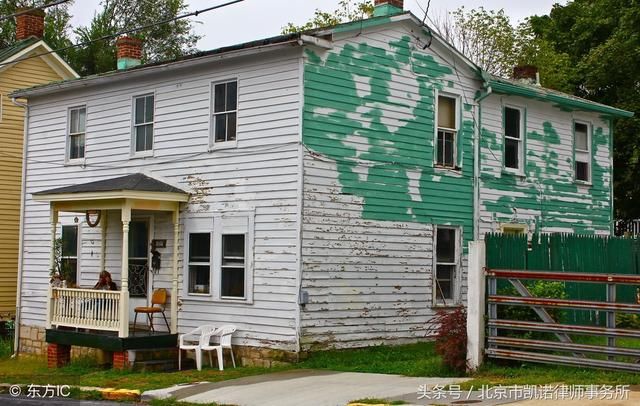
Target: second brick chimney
{"x": 129, "y": 52}
{"x": 387, "y": 7}
{"x": 29, "y": 24}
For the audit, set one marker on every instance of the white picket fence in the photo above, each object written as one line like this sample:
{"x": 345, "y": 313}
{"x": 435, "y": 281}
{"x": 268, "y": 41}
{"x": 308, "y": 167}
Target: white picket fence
{"x": 85, "y": 308}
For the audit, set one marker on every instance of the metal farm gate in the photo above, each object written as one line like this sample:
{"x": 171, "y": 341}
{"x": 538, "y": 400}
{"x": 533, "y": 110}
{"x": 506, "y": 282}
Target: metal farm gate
{"x": 564, "y": 299}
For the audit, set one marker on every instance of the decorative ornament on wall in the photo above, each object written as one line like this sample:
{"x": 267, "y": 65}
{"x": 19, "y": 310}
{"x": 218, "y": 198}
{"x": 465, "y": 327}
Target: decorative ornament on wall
{"x": 93, "y": 217}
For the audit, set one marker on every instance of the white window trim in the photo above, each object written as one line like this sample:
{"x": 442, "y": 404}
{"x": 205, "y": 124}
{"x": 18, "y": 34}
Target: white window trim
{"x": 216, "y": 227}
{"x": 522, "y": 228}
{"x": 222, "y": 144}
{"x": 67, "y": 153}
{"x": 588, "y": 153}
{"x": 451, "y": 93}
{"x": 66, "y": 223}
{"x": 521, "y": 142}
{"x": 456, "y": 280}
{"x": 147, "y": 153}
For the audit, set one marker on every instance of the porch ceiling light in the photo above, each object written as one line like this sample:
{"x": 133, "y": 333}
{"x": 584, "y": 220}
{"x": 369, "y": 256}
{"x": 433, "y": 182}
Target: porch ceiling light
{"x": 93, "y": 217}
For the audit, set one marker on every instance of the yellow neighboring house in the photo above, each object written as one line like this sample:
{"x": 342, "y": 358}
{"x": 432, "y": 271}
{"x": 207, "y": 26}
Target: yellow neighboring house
{"x": 20, "y": 67}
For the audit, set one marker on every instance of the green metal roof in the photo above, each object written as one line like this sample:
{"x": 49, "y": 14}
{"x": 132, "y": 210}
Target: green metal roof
{"x": 8, "y": 52}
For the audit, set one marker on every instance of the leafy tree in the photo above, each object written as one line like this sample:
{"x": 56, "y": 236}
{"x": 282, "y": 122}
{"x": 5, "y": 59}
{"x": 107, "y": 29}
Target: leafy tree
{"x": 348, "y": 10}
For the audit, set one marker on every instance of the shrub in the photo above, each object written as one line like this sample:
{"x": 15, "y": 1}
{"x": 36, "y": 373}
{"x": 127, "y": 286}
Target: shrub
{"x": 451, "y": 338}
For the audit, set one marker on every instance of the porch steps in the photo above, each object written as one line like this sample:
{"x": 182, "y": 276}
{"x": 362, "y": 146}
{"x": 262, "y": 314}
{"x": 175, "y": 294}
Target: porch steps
{"x": 159, "y": 360}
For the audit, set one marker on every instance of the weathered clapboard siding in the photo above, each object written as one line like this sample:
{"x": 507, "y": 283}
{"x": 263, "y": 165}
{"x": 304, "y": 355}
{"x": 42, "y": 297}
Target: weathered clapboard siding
{"x": 547, "y": 198}
{"x": 371, "y": 193}
{"x": 261, "y": 174}
{"x": 24, "y": 74}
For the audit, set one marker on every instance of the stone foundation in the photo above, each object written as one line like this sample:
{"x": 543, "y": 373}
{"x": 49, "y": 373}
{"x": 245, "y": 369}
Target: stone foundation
{"x": 32, "y": 340}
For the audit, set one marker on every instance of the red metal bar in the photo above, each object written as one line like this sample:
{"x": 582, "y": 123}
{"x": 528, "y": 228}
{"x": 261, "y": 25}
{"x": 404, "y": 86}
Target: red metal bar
{"x": 565, "y": 303}
{"x": 565, "y": 328}
{"x": 564, "y": 276}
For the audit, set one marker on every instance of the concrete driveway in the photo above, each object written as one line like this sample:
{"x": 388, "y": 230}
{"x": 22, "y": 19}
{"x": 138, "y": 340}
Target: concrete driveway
{"x": 301, "y": 388}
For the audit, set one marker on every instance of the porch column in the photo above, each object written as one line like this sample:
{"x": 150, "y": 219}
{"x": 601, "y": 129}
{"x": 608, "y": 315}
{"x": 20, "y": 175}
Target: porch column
{"x": 53, "y": 218}
{"x": 124, "y": 290}
{"x": 174, "y": 280}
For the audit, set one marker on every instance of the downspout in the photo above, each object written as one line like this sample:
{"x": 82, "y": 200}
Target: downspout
{"x": 23, "y": 188}
{"x": 476, "y": 167}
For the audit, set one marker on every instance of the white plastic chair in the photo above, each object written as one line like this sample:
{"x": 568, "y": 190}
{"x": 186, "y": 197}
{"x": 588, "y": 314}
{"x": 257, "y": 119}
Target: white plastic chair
{"x": 193, "y": 340}
{"x": 224, "y": 334}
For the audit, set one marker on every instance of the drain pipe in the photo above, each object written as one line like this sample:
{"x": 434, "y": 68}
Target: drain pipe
{"x": 25, "y": 139}
{"x": 477, "y": 166}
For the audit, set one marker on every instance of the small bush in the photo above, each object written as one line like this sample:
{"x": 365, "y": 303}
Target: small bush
{"x": 626, "y": 320}
{"x": 451, "y": 338}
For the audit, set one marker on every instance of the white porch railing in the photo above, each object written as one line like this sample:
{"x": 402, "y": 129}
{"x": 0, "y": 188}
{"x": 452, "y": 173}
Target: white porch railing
{"x": 86, "y": 308}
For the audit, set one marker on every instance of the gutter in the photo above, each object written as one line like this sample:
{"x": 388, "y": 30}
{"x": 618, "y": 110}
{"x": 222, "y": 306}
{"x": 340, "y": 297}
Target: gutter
{"x": 476, "y": 167}
{"x": 23, "y": 188}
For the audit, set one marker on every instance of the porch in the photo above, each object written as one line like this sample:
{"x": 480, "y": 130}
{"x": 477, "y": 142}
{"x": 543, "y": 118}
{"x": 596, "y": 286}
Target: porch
{"x": 84, "y": 316}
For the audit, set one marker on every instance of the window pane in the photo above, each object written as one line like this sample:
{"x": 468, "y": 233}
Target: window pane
{"x": 512, "y": 122}
{"x": 138, "y": 239}
{"x": 446, "y": 112}
{"x": 440, "y": 149}
{"x": 582, "y": 137}
{"x": 76, "y": 146}
{"x": 73, "y": 122}
{"x": 232, "y": 96}
{"x": 70, "y": 269}
{"x": 69, "y": 241}
{"x": 140, "y": 138}
{"x": 148, "y": 111}
{"x": 448, "y": 149}
{"x": 511, "y": 154}
{"x": 139, "y": 110}
{"x": 231, "y": 125}
{"x": 149, "y": 137}
{"x": 445, "y": 245}
{"x": 232, "y": 283}
{"x": 219, "y": 98}
{"x": 444, "y": 281}
{"x": 233, "y": 249}
{"x": 582, "y": 171}
{"x": 82, "y": 120}
{"x": 220, "y": 127}
{"x": 199, "y": 279}
{"x": 199, "y": 247}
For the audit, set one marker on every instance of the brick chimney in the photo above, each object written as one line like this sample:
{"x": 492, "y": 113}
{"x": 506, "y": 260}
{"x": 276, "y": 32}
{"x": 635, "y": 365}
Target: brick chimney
{"x": 387, "y": 7}
{"x": 129, "y": 52}
{"x": 526, "y": 74}
{"x": 29, "y": 24}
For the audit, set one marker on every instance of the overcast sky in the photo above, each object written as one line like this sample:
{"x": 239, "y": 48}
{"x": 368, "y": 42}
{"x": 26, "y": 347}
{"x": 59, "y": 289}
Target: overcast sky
{"x": 256, "y": 19}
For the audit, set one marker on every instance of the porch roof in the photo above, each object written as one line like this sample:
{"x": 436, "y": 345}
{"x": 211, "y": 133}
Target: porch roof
{"x": 134, "y": 186}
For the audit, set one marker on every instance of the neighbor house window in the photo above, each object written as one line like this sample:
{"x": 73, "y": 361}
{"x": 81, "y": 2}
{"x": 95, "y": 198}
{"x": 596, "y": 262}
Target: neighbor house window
{"x": 446, "y": 132}
{"x": 513, "y": 136}
{"x": 582, "y": 150}
{"x": 77, "y": 129}
{"x": 446, "y": 265}
{"x": 69, "y": 254}
{"x": 200, "y": 263}
{"x": 232, "y": 269}
{"x": 225, "y": 109}
{"x": 143, "y": 107}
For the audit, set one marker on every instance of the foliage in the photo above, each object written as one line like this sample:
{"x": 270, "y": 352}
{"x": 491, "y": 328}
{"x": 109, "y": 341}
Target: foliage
{"x": 6, "y": 347}
{"x": 60, "y": 266}
{"x": 56, "y": 27}
{"x": 348, "y": 10}
{"x": 626, "y": 320}
{"x": 451, "y": 338}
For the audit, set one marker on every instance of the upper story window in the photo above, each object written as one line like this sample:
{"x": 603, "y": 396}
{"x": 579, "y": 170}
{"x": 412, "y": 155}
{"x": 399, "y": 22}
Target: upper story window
{"x": 513, "y": 137}
{"x": 582, "y": 151}
{"x": 447, "y": 131}
{"x": 77, "y": 132}
{"x": 143, "y": 107}
{"x": 225, "y": 110}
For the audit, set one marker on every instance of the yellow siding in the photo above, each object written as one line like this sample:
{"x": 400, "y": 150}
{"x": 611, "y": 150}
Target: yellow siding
{"x": 25, "y": 74}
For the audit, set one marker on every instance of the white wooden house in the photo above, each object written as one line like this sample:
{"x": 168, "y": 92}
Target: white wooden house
{"x": 317, "y": 190}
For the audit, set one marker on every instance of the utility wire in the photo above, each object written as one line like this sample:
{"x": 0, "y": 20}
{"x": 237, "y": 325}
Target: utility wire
{"x": 44, "y": 6}
{"x": 144, "y": 27}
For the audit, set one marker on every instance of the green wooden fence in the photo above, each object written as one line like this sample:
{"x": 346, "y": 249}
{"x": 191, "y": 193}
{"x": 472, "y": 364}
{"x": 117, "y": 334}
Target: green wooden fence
{"x": 570, "y": 253}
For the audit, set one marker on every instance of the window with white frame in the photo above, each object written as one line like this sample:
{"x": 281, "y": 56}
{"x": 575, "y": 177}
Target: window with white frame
{"x": 220, "y": 257}
{"x": 513, "y": 137}
{"x": 446, "y": 265}
{"x": 225, "y": 110}
{"x": 582, "y": 151}
{"x": 199, "y": 274}
{"x": 143, "y": 112}
{"x": 447, "y": 131}
{"x": 69, "y": 254}
{"x": 77, "y": 132}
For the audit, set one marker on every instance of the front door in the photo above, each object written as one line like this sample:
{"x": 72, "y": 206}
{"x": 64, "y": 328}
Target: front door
{"x": 139, "y": 275}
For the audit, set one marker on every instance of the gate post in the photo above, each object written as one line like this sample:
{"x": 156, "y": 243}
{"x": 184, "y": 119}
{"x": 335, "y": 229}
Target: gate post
{"x": 475, "y": 304}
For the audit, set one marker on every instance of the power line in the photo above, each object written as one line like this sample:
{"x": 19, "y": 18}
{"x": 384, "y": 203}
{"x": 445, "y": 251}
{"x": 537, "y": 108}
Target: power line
{"x": 44, "y": 6}
{"x": 106, "y": 37}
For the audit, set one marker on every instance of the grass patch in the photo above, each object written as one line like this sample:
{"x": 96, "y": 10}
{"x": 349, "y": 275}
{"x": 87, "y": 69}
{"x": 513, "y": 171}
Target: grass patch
{"x": 374, "y": 401}
{"x": 173, "y": 402}
{"x": 6, "y": 347}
